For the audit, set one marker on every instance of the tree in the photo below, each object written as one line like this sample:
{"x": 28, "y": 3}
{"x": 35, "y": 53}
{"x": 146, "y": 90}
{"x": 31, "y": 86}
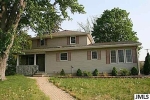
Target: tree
{"x": 146, "y": 67}
{"x": 113, "y": 26}
{"x": 39, "y": 15}
{"x": 87, "y": 27}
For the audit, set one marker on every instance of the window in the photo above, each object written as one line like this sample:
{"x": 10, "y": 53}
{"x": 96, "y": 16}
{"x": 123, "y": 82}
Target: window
{"x": 94, "y": 54}
{"x": 120, "y": 55}
{"x": 128, "y": 55}
{"x": 63, "y": 56}
{"x": 42, "y": 42}
{"x": 113, "y": 56}
{"x": 72, "y": 40}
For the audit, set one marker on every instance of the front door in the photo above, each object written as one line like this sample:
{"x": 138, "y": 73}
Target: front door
{"x": 40, "y": 58}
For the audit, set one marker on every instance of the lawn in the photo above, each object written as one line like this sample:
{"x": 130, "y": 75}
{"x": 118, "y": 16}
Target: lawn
{"x": 103, "y": 88}
{"x": 20, "y": 88}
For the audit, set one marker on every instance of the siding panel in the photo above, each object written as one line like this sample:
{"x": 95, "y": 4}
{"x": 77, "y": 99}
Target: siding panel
{"x": 57, "y": 57}
{"x": 99, "y": 55}
{"x": 69, "y": 55}
{"x": 77, "y": 39}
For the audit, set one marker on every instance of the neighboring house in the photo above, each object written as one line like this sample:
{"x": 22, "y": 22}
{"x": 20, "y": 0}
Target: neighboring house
{"x": 71, "y": 50}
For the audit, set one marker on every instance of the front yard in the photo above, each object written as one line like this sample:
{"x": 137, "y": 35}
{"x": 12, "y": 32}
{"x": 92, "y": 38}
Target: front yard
{"x": 19, "y": 87}
{"x": 103, "y": 88}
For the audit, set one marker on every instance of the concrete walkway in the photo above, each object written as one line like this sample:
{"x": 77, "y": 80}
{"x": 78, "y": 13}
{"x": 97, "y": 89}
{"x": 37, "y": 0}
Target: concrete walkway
{"x": 51, "y": 90}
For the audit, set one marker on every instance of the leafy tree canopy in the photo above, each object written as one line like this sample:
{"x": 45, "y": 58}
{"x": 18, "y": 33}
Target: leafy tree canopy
{"x": 113, "y": 26}
{"x": 42, "y": 16}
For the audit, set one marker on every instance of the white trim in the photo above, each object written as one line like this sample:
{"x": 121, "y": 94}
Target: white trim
{"x": 91, "y": 54}
{"x": 60, "y": 56}
{"x": 116, "y": 56}
{"x": 34, "y": 59}
{"x": 75, "y": 40}
{"x": 126, "y": 56}
{"x": 17, "y": 60}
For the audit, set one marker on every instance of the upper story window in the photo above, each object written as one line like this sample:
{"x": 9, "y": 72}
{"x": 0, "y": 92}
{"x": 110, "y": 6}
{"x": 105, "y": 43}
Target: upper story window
{"x": 113, "y": 56}
{"x": 94, "y": 54}
{"x": 42, "y": 42}
{"x": 128, "y": 55}
{"x": 64, "y": 56}
{"x": 72, "y": 40}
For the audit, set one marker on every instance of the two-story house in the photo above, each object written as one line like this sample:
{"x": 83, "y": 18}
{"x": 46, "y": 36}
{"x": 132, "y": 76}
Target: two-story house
{"x": 71, "y": 50}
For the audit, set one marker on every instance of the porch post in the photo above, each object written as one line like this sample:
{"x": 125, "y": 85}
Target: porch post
{"x": 139, "y": 73}
{"x": 34, "y": 59}
{"x": 17, "y": 60}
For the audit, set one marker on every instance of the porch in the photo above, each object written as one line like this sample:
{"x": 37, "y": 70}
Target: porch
{"x": 30, "y": 64}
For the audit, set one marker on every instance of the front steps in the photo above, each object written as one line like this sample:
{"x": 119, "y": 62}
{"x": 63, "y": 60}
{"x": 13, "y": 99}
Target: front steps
{"x": 40, "y": 74}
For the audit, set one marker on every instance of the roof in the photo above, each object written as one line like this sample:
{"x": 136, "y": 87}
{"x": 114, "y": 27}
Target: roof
{"x": 65, "y": 33}
{"x": 115, "y": 43}
{"x": 91, "y": 46}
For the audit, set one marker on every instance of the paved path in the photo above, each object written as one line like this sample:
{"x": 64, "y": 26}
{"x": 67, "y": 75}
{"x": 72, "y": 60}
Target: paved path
{"x": 51, "y": 90}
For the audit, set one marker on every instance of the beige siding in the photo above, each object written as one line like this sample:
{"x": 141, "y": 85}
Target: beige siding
{"x": 79, "y": 60}
{"x": 53, "y": 42}
{"x": 34, "y": 43}
{"x": 61, "y": 41}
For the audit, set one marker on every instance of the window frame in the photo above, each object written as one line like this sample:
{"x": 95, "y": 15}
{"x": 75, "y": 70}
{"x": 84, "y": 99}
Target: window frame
{"x": 123, "y": 55}
{"x": 126, "y": 56}
{"x": 92, "y": 56}
{"x": 71, "y": 41}
{"x": 60, "y": 56}
{"x": 116, "y": 56}
{"x": 44, "y": 42}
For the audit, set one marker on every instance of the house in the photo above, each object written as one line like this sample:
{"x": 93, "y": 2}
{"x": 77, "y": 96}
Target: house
{"x": 71, "y": 50}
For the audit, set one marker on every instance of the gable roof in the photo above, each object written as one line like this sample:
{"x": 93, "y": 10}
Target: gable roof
{"x": 66, "y": 33}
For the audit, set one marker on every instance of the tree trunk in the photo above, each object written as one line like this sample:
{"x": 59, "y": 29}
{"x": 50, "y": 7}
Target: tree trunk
{"x": 3, "y": 63}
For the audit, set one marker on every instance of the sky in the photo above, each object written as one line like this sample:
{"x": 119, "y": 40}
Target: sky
{"x": 139, "y": 13}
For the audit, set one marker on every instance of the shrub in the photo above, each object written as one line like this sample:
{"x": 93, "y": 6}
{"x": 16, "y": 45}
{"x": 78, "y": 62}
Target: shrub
{"x": 95, "y": 72}
{"x": 114, "y": 71}
{"x": 124, "y": 72}
{"x": 62, "y": 73}
{"x": 105, "y": 74}
{"x": 79, "y": 72}
{"x": 85, "y": 73}
{"x": 134, "y": 71}
{"x": 11, "y": 70}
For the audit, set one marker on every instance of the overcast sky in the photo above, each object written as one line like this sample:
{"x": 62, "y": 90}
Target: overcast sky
{"x": 139, "y": 14}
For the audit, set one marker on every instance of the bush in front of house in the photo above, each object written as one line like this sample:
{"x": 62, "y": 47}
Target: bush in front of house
{"x": 85, "y": 73}
{"x": 62, "y": 73}
{"x": 79, "y": 72}
{"x": 124, "y": 72}
{"x": 11, "y": 70}
{"x": 114, "y": 71}
{"x": 134, "y": 71}
{"x": 95, "y": 72}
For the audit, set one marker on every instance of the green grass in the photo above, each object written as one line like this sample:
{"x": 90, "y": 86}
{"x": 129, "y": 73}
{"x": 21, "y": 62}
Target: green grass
{"x": 20, "y": 88}
{"x": 103, "y": 88}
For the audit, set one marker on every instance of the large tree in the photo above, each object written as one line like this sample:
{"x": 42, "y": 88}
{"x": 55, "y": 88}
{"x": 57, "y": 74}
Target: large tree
{"x": 113, "y": 26}
{"x": 40, "y": 15}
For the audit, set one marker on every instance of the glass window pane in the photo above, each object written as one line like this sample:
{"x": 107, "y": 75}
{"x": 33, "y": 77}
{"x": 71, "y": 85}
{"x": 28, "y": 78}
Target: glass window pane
{"x": 94, "y": 54}
{"x": 121, "y": 55}
{"x": 42, "y": 42}
{"x": 113, "y": 56}
{"x": 128, "y": 56}
{"x": 73, "y": 39}
{"x": 63, "y": 56}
